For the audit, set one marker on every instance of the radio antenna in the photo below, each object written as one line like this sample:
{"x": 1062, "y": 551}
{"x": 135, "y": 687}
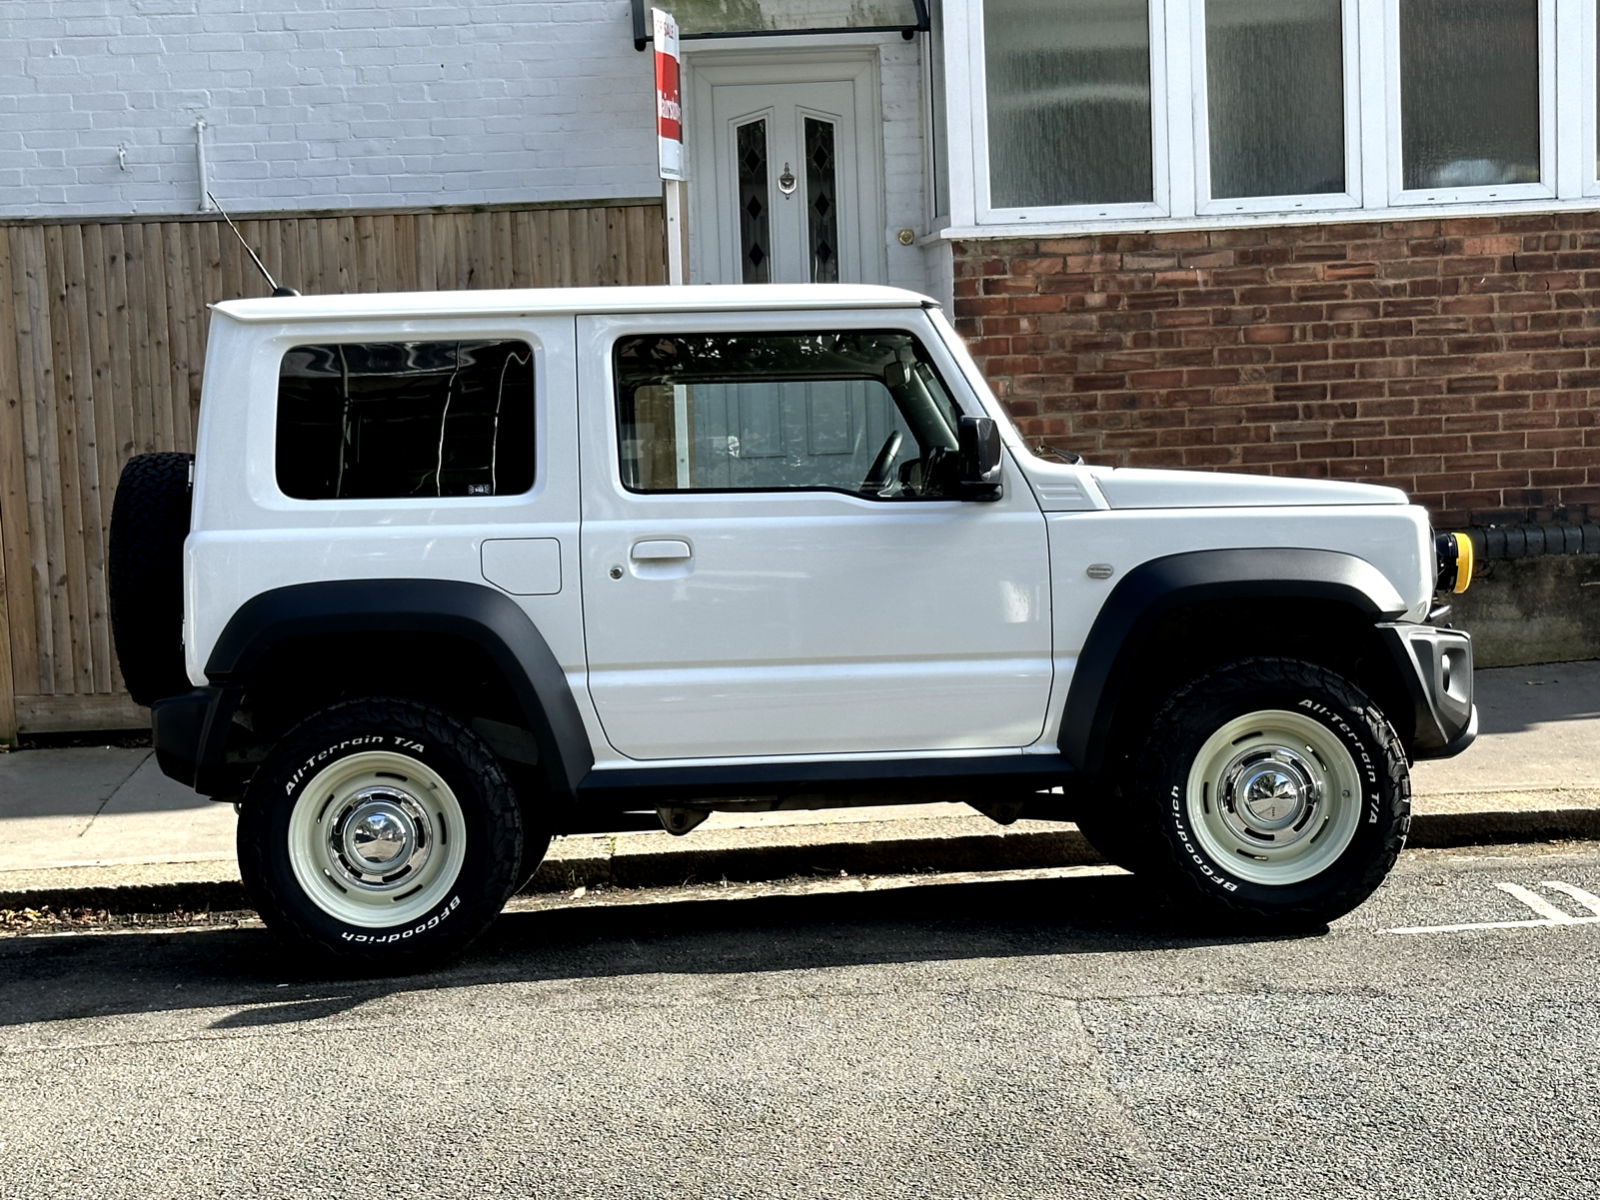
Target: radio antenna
{"x": 260, "y": 266}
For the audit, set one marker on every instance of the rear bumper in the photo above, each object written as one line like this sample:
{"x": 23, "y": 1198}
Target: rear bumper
{"x": 190, "y": 736}
{"x": 1436, "y": 665}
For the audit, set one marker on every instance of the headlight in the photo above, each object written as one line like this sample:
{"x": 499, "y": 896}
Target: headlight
{"x": 1455, "y": 562}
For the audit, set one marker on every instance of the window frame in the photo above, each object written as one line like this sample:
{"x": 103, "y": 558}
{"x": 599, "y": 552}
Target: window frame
{"x": 1160, "y": 167}
{"x": 1351, "y": 197}
{"x": 276, "y": 350}
{"x": 1569, "y": 131}
{"x": 1578, "y": 87}
{"x": 619, "y": 458}
{"x": 1399, "y": 195}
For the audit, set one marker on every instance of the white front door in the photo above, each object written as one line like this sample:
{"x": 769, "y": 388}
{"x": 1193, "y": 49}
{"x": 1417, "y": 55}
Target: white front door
{"x": 786, "y": 183}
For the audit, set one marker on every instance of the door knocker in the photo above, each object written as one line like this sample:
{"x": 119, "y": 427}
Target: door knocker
{"x": 786, "y": 182}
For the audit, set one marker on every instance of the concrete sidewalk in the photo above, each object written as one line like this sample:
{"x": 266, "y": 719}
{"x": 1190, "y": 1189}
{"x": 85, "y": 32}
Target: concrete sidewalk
{"x": 102, "y": 826}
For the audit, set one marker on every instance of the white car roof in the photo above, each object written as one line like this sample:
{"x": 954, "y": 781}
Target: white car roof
{"x": 542, "y": 301}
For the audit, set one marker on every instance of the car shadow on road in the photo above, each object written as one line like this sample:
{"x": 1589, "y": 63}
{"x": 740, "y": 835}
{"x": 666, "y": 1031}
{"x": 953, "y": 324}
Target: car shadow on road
{"x": 248, "y": 971}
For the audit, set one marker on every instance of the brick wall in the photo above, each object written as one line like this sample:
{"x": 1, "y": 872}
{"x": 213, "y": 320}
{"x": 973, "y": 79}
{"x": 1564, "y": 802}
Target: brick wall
{"x": 1457, "y": 359}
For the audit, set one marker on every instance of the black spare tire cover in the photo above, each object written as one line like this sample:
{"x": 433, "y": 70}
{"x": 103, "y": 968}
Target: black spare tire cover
{"x": 149, "y": 520}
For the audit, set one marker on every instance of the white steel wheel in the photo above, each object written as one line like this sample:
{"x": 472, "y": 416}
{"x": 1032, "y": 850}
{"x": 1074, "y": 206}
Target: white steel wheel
{"x": 377, "y": 839}
{"x": 1275, "y": 797}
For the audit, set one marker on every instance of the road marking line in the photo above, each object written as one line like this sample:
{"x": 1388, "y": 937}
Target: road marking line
{"x": 1538, "y": 903}
{"x": 1543, "y": 924}
{"x": 1588, "y": 899}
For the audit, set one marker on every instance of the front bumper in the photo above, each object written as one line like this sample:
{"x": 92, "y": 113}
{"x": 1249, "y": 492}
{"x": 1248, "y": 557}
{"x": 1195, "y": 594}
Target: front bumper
{"x": 190, "y": 736}
{"x": 1436, "y": 665}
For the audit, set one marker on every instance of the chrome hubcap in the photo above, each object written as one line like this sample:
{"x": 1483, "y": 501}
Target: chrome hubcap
{"x": 1269, "y": 793}
{"x": 380, "y": 838}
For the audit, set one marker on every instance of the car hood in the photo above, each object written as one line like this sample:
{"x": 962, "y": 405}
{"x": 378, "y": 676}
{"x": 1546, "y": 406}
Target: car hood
{"x": 1141, "y": 488}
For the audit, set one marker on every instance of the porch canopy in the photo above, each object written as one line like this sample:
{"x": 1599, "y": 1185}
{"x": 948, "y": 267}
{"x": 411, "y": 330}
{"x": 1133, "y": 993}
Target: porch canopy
{"x": 699, "y": 19}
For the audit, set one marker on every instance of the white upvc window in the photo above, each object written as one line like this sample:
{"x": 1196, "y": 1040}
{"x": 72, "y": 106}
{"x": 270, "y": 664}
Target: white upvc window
{"x": 1276, "y": 90}
{"x": 1109, "y": 112}
{"x": 1471, "y": 100}
{"x": 1070, "y": 118}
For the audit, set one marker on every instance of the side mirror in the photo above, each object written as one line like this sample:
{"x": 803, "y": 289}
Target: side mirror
{"x": 980, "y": 459}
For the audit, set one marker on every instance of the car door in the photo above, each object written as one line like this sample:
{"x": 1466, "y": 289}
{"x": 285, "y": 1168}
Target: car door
{"x": 748, "y": 591}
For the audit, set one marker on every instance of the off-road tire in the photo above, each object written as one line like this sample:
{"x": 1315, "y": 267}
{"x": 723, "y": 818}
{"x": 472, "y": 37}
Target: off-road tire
{"x": 410, "y": 744}
{"x": 1246, "y": 694}
{"x": 1110, "y": 822}
{"x": 538, "y": 824}
{"x": 149, "y": 521}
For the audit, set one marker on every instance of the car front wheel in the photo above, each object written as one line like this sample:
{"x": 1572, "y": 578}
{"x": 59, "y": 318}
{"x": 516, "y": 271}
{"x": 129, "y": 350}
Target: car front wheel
{"x": 1277, "y": 790}
{"x": 380, "y": 832}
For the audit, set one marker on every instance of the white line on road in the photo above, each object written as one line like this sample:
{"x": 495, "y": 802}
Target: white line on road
{"x": 1588, "y": 899}
{"x": 1496, "y": 925}
{"x": 1549, "y": 914}
{"x": 1538, "y": 903}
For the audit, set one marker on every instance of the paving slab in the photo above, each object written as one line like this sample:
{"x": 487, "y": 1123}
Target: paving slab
{"x": 1538, "y": 727}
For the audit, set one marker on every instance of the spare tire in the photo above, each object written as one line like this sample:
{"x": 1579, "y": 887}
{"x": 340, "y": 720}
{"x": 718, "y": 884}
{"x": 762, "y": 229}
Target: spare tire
{"x": 149, "y": 520}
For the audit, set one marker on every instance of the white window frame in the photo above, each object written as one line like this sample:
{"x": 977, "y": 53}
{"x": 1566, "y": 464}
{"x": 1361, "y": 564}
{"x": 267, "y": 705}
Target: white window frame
{"x": 1576, "y": 87}
{"x": 977, "y": 80}
{"x": 1569, "y": 127}
{"x": 1545, "y": 189}
{"x": 1351, "y": 197}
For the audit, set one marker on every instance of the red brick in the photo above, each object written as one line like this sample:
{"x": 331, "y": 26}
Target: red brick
{"x": 1459, "y": 359}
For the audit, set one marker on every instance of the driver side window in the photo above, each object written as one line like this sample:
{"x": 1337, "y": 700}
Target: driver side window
{"x": 858, "y": 412}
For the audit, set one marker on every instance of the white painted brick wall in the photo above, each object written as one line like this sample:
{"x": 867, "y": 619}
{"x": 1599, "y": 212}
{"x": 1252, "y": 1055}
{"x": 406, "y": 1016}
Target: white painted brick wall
{"x": 904, "y": 166}
{"x": 319, "y": 104}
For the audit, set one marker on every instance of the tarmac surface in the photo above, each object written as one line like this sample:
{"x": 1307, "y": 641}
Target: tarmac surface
{"x": 1049, "y": 1034}
{"x": 96, "y": 825}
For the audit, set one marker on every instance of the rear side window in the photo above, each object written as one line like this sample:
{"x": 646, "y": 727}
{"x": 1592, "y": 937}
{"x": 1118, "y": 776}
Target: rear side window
{"x": 391, "y": 420}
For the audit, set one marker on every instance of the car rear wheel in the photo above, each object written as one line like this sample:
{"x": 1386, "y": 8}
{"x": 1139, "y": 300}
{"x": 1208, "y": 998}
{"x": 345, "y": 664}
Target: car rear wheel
{"x": 383, "y": 833}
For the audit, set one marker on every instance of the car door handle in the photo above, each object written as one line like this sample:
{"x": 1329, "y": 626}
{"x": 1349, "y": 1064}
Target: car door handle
{"x": 660, "y": 549}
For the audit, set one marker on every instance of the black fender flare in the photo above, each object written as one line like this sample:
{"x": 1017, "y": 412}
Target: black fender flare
{"x": 1153, "y": 589}
{"x": 489, "y": 618}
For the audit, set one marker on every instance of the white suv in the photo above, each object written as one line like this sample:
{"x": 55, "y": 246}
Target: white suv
{"x": 463, "y": 571}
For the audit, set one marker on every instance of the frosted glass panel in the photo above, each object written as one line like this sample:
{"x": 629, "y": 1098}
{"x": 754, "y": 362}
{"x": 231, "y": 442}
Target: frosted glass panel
{"x": 1275, "y": 84}
{"x": 1469, "y": 92}
{"x": 1069, "y": 101}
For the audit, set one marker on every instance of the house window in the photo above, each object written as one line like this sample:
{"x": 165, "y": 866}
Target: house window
{"x": 1069, "y": 102}
{"x": 1469, "y": 92}
{"x": 1100, "y": 111}
{"x": 1274, "y": 76}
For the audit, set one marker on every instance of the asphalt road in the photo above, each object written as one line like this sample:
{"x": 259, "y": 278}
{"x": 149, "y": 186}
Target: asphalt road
{"x": 1039, "y": 1037}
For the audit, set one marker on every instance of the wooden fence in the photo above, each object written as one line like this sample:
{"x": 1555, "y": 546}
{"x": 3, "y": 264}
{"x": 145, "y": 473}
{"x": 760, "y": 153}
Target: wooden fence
{"x": 102, "y": 341}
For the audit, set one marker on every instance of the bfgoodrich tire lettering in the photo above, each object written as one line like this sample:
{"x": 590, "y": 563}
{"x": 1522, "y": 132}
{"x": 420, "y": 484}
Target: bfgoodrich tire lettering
{"x": 1277, "y": 790}
{"x": 380, "y": 832}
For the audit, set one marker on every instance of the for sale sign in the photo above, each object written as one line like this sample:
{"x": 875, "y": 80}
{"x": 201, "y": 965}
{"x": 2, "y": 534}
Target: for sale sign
{"x": 669, "y": 103}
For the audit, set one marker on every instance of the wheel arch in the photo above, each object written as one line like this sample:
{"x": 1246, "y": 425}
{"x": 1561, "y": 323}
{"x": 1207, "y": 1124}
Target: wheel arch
{"x": 1209, "y": 605}
{"x": 492, "y": 623}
